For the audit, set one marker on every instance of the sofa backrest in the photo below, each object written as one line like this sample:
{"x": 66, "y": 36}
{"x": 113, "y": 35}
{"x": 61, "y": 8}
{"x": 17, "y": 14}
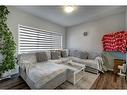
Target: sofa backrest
{"x": 78, "y": 53}
{"x": 93, "y": 55}
{"x": 27, "y": 58}
{"x": 83, "y": 54}
{"x": 32, "y": 57}
{"x": 48, "y": 54}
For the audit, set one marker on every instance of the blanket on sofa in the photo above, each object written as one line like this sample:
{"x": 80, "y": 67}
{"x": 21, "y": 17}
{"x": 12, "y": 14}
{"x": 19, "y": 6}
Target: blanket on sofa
{"x": 100, "y": 64}
{"x": 41, "y": 73}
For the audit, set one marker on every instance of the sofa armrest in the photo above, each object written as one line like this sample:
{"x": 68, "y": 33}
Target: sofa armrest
{"x": 100, "y": 63}
{"x": 24, "y": 65}
{"x": 98, "y": 58}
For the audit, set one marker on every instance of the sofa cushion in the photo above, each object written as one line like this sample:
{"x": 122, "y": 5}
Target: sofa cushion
{"x": 93, "y": 55}
{"x": 26, "y": 58}
{"x": 59, "y": 53}
{"x": 76, "y": 59}
{"x": 48, "y": 54}
{"x": 63, "y": 53}
{"x": 91, "y": 63}
{"x": 60, "y": 60}
{"x": 83, "y": 55}
{"x": 75, "y": 53}
{"x": 67, "y": 51}
{"x": 79, "y": 54}
{"x": 71, "y": 52}
{"x": 87, "y": 62}
{"x": 65, "y": 60}
{"x": 41, "y": 56}
{"x": 55, "y": 54}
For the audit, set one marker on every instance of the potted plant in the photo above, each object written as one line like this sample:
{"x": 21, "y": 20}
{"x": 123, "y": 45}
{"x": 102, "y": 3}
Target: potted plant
{"x": 7, "y": 44}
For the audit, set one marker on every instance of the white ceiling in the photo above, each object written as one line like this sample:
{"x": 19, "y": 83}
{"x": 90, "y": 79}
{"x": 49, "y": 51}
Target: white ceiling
{"x": 80, "y": 15}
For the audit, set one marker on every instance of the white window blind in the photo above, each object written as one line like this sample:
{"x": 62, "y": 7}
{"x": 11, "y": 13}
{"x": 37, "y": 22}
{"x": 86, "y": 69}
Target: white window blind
{"x": 33, "y": 39}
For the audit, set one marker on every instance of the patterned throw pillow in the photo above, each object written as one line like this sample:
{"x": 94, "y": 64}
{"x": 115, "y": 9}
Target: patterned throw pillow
{"x": 55, "y": 54}
{"x": 64, "y": 53}
{"x": 59, "y": 53}
{"x": 41, "y": 56}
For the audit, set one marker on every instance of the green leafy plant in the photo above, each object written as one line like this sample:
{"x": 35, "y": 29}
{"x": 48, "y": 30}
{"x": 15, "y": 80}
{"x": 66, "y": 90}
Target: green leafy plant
{"x": 7, "y": 44}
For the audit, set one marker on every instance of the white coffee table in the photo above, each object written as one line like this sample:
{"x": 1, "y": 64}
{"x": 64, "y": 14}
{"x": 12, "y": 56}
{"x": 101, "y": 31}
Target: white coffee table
{"x": 75, "y": 71}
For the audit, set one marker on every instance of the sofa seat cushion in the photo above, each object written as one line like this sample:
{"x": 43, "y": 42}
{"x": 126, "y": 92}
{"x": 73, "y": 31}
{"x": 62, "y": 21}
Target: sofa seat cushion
{"x": 91, "y": 63}
{"x": 60, "y": 60}
{"x": 88, "y": 62}
{"x": 42, "y": 73}
{"x": 65, "y": 60}
{"x": 76, "y": 59}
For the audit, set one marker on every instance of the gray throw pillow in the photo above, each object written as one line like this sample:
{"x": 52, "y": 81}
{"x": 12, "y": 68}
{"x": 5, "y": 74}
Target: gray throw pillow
{"x": 71, "y": 52}
{"x": 48, "y": 54}
{"x": 83, "y": 55}
{"x": 77, "y": 53}
{"x": 59, "y": 53}
{"x": 55, "y": 55}
{"x": 74, "y": 53}
{"x": 63, "y": 53}
{"x": 41, "y": 56}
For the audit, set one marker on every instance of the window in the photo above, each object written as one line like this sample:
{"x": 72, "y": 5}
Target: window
{"x": 33, "y": 39}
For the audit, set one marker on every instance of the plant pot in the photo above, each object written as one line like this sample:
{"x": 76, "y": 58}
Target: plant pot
{"x": 5, "y": 75}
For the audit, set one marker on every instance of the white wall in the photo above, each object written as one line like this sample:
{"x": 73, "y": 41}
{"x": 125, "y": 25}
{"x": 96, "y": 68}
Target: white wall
{"x": 17, "y": 16}
{"x": 126, "y": 18}
{"x": 96, "y": 29}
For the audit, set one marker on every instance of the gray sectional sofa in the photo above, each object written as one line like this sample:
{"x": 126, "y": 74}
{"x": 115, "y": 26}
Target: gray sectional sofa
{"x": 92, "y": 60}
{"x": 43, "y": 69}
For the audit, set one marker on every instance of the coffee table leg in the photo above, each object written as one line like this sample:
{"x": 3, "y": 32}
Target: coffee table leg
{"x": 74, "y": 79}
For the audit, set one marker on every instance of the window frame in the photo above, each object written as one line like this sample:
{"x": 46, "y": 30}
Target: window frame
{"x": 19, "y": 25}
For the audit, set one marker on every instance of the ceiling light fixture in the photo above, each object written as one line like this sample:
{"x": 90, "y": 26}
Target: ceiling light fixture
{"x": 69, "y": 9}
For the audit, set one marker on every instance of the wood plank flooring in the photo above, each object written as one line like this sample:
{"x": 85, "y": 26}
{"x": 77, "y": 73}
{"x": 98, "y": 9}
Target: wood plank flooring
{"x": 107, "y": 80}
{"x": 14, "y": 83}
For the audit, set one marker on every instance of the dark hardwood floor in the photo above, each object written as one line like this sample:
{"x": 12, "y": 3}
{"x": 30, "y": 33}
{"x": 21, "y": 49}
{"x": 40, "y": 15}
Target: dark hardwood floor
{"x": 16, "y": 82}
{"x": 107, "y": 80}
